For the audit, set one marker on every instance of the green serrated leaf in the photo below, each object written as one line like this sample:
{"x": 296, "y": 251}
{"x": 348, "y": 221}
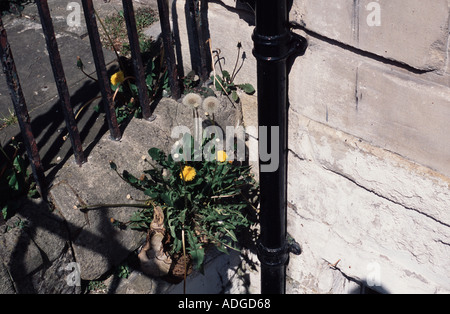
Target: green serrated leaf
{"x": 5, "y": 211}
{"x": 195, "y": 250}
{"x": 218, "y": 83}
{"x": 149, "y": 81}
{"x": 235, "y": 96}
{"x": 247, "y": 88}
{"x": 13, "y": 182}
{"x": 151, "y": 193}
{"x": 19, "y": 164}
{"x": 231, "y": 234}
{"x": 226, "y": 75}
{"x": 222, "y": 248}
{"x": 156, "y": 154}
{"x": 166, "y": 197}
{"x": 129, "y": 177}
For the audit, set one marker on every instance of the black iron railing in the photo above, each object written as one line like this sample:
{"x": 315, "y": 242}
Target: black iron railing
{"x": 60, "y": 79}
{"x": 18, "y": 99}
{"x": 20, "y": 108}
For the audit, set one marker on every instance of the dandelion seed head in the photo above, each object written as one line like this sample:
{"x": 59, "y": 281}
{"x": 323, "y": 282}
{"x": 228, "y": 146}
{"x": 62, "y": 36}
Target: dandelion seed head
{"x": 211, "y": 104}
{"x": 192, "y": 100}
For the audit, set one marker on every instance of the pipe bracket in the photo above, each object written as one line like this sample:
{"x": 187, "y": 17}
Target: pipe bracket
{"x": 293, "y": 246}
{"x": 278, "y": 48}
{"x": 298, "y": 45}
{"x": 278, "y": 256}
{"x": 272, "y": 257}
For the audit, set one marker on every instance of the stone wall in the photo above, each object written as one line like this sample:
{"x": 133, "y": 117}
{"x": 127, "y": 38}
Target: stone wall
{"x": 369, "y": 153}
{"x": 369, "y": 171}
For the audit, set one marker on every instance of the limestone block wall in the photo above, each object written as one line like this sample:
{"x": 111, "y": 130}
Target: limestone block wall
{"x": 369, "y": 140}
{"x": 369, "y": 171}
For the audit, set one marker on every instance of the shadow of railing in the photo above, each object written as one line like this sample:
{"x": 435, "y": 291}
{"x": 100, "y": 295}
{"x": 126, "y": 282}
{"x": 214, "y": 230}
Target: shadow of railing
{"x": 39, "y": 218}
{"x": 244, "y": 9}
{"x": 59, "y": 227}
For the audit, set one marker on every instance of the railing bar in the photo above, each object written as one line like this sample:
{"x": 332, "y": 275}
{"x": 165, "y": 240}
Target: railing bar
{"x": 60, "y": 80}
{"x": 138, "y": 66}
{"x": 99, "y": 60}
{"x": 201, "y": 19}
{"x": 20, "y": 108}
{"x": 163, "y": 9}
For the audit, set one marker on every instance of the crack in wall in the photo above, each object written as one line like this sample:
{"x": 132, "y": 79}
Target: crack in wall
{"x": 442, "y": 242}
{"x": 357, "y": 96}
{"x": 295, "y": 154}
{"x": 358, "y": 51}
{"x": 347, "y": 277}
{"x": 387, "y": 199}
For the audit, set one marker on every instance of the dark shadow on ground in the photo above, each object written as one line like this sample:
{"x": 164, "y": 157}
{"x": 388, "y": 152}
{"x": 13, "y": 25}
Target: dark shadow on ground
{"x": 41, "y": 216}
{"x": 244, "y": 9}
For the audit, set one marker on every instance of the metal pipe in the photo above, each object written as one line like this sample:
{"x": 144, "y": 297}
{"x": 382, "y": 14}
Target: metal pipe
{"x": 99, "y": 60}
{"x": 273, "y": 44}
{"x": 60, "y": 80}
{"x": 137, "y": 59}
{"x": 20, "y": 108}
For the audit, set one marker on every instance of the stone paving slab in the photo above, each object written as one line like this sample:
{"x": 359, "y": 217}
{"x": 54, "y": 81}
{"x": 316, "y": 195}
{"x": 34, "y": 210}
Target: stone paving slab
{"x": 98, "y": 246}
{"x": 37, "y": 81}
{"x": 96, "y": 183}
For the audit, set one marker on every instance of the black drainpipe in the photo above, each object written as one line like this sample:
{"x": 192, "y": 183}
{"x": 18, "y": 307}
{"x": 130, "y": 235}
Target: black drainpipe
{"x": 274, "y": 48}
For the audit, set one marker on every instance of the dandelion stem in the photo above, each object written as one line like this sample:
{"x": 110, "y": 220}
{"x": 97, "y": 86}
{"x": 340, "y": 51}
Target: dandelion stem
{"x": 224, "y": 196}
{"x": 85, "y": 105}
{"x": 99, "y": 206}
{"x": 236, "y": 64}
{"x": 92, "y": 78}
{"x": 110, "y": 40}
{"x": 120, "y": 84}
{"x": 184, "y": 259}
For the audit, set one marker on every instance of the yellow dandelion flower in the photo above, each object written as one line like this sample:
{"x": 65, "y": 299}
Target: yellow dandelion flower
{"x": 117, "y": 78}
{"x": 188, "y": 173}
{"x": 221, "y": 156}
